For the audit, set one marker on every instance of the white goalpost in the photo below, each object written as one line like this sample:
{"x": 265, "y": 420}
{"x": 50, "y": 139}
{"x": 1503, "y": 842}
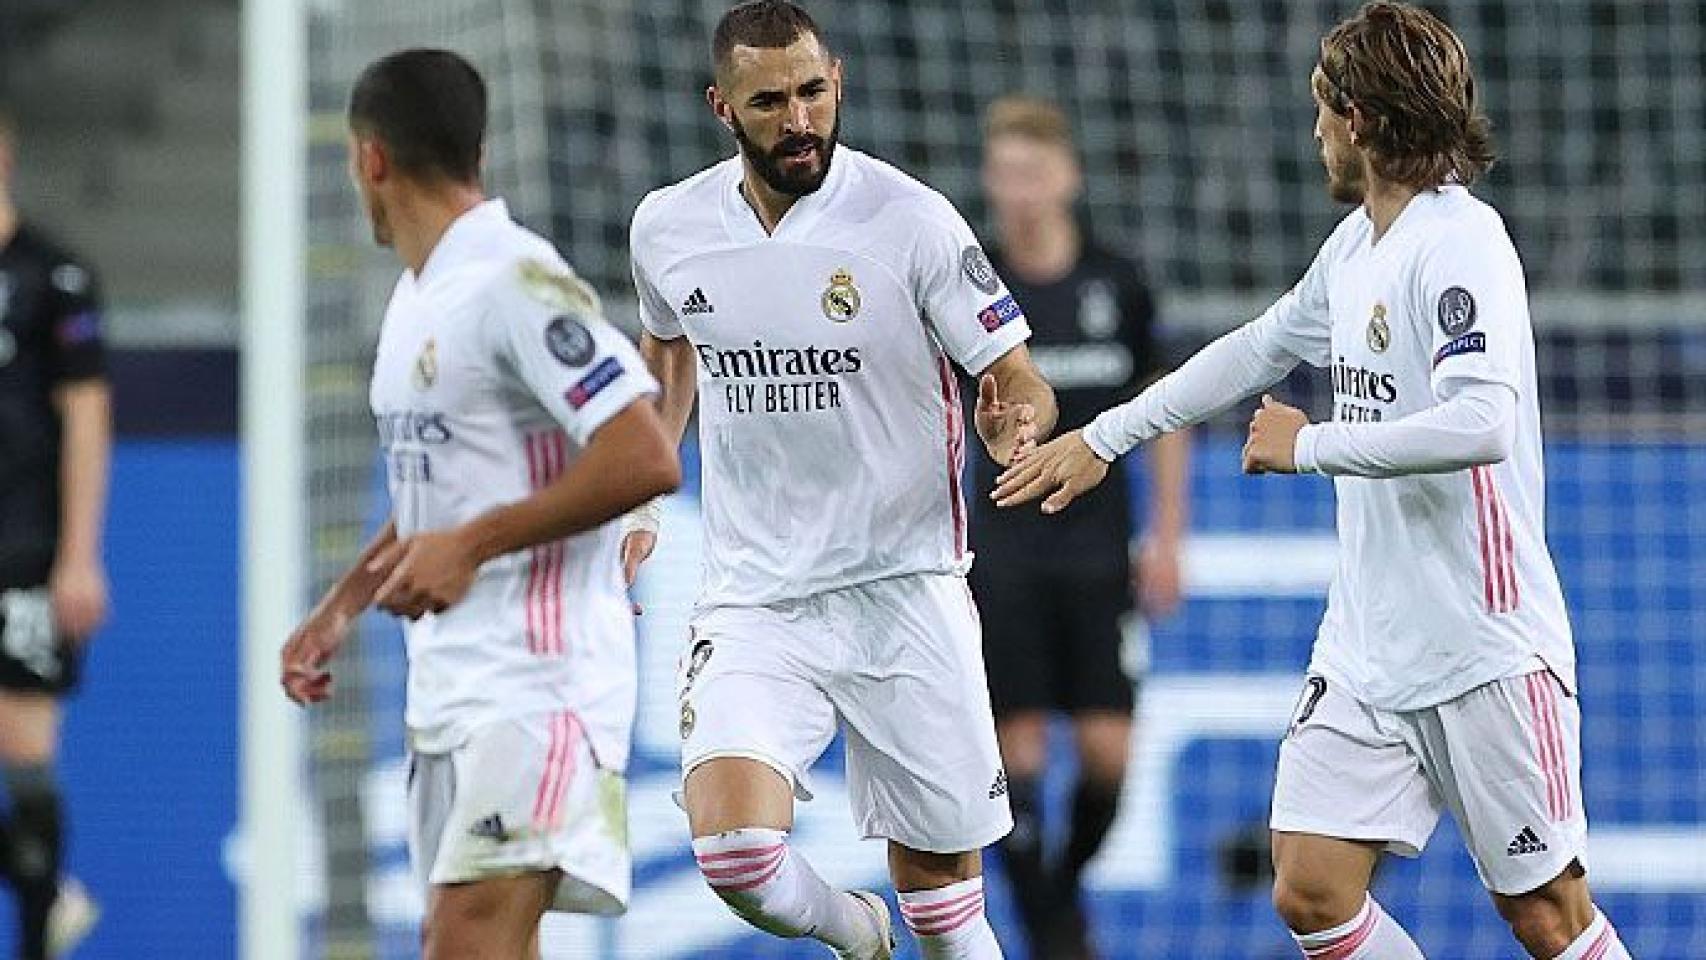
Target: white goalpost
{"x": 273, "y": 498}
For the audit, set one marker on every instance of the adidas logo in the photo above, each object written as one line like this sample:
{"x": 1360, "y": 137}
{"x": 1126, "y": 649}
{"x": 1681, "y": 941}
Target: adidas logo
{"x": 1526, "y": 842}
{"x": 999, "y": 787}
{"x": 697, "y": 304}
{"x": 491, "y": 828}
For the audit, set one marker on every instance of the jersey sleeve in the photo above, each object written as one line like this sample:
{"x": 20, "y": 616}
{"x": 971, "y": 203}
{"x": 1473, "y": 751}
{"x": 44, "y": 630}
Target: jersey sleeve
{"x": 1472, "y": 295}
{"x": 656, "y": 318}
{"x": 582, "y": 370}
{"x": 78, "y": 350}
{"x": 975, "y": 318}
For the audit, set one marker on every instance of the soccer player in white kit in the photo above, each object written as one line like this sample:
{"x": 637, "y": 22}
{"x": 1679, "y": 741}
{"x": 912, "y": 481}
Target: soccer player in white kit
{"x": 515, "y": 423}
{"x": 1443, "y": 675}
{"x": 817, "y": 299}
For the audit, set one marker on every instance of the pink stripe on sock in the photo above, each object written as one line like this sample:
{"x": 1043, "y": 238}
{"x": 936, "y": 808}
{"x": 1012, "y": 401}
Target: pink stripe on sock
{"x": 751, "y": 853}
{"x": 1348, "y": 944}
{"x": 924, "y": 911}
{"x": 758, "y": 881}
{"x": 744, "y": 868}
{"x": 936, "y": 926}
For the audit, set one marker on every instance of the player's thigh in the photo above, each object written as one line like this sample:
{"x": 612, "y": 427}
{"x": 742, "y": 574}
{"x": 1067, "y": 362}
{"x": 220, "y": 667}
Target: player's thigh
{"x": 1347, "y": 772}
{"x": 523, "y": 797}
{"x": 37, "y": 666}
{"x": 750, "y": 689}
{"x": 923, "y": 765}
{"x": 29, "y": 726}
{"x": 496, "y": 919}
{"x": 1506, "y": 757}
{"x": 1019, "y": 632}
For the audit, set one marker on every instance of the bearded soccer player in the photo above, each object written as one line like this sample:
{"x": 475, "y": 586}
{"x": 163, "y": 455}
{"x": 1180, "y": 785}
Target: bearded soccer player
{"x": 1443, "y": 676}
{"x": 817, "y": 300}
{"x": 515, "y": 424}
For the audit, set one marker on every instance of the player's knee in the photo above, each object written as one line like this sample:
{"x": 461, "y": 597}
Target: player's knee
{"x": 36, "y": 825}
{"x": 1539, "y": 924}
{"x": 1308, "y": 905}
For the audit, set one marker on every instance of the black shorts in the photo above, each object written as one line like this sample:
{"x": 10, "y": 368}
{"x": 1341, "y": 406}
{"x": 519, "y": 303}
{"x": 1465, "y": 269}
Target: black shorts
{"x": 34, "y": 656}
{"x": 1052, "y": 641}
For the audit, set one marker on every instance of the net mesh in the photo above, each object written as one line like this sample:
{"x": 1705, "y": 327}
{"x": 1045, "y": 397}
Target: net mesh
{"x": 1194, "y": 124}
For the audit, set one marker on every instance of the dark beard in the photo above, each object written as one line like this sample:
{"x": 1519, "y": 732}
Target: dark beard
{"x": 768, "y": 164}
{"x": 1345, "y": 184}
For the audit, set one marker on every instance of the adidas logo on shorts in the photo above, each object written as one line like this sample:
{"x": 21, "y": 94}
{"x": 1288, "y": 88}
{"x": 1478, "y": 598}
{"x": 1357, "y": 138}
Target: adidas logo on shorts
{"x": 697, "y": 303}
{"x": 999, "y": 787}
{"x": 491, "y": 828}
{"x": 1526, "y": 842}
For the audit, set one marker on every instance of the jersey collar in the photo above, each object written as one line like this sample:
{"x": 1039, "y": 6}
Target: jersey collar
{"x": 741, "y": 220}
{"x": 465, "y": 235}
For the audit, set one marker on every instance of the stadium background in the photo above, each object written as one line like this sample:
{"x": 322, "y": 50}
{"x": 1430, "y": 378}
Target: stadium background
{"x": 1194, "y": 118}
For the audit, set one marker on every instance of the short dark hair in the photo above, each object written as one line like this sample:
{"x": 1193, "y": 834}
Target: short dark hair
{"x": 429, "y": 109}
{"x": 1409, "y": 74}
{"x": 760, "y": 23}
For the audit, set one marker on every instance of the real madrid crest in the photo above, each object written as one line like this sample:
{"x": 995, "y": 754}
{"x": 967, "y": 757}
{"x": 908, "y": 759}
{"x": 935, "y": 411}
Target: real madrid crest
{"x": 1379, "y": 333}
{"x": 841, "y": 299}
{"x": 688, "y": 719}
{"x": 426, "y": 365}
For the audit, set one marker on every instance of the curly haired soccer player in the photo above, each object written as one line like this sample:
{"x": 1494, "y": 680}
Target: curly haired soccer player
{"x": 1443, "y": 676}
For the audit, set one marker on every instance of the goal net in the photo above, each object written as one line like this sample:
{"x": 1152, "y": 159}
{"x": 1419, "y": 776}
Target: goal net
{"x": 1194, "y": 122}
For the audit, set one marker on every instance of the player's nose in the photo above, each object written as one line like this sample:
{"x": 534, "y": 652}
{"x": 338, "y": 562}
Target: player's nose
{"x": 799, "y": 116}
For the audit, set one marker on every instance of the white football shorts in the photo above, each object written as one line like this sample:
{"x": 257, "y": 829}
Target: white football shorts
{"x": 897, "y": 664}
{"x": 523, "y": 796}
{"x": 1504, "y": 758}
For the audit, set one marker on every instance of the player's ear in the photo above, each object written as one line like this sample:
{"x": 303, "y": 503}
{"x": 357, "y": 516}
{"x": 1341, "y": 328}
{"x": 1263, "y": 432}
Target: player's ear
{"x": 719, "y": 106}
{"x": 835, "y": 77}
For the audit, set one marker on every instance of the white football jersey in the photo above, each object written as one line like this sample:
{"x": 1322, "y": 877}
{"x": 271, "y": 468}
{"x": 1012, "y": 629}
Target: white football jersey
{"x": 495, "y": 368}
{"x": 1444, "y": 581}
{"x": 830, "y": 423}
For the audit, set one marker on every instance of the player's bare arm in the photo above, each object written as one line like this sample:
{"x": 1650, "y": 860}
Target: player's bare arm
{"x": 303, "y": 661}
{"x": 1015, "y": 406}
{"x": 672, "y": 363}
{"x": 77, "y": 581}
{"x": 1271, "y": 445}
{"x": 1157, "y": 567}
{"x": 628, "y": 462}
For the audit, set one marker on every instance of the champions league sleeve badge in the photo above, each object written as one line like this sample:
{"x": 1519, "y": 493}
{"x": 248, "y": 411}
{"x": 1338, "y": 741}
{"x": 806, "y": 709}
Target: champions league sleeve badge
{"x": 1456, "y": 312}
{"x": 569, "y": 341}
{"x": 1379, "y": 332}
{"x": 841, "y": 300}
{"x": 975, "y": 265}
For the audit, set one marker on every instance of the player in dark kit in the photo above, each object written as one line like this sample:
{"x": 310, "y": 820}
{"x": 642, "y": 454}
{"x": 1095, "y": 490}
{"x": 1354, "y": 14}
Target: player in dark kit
{"x": 55, "y": 443}
{"x": 1056, "y": 592}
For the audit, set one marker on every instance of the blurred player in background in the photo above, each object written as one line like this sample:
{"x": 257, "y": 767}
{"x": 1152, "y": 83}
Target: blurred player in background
{"x": 515, "y": 423}
{"x": 1444, "y": 673}
{"x": 818, "y": 299}
{"x": 1056, "y": 594}
{"x": 55, "y": 448}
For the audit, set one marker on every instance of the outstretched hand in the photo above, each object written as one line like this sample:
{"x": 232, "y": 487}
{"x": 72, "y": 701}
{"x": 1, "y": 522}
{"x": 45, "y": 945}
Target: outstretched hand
{"x": 1008, "y": 430}
{"x": 1061, "y": 470}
